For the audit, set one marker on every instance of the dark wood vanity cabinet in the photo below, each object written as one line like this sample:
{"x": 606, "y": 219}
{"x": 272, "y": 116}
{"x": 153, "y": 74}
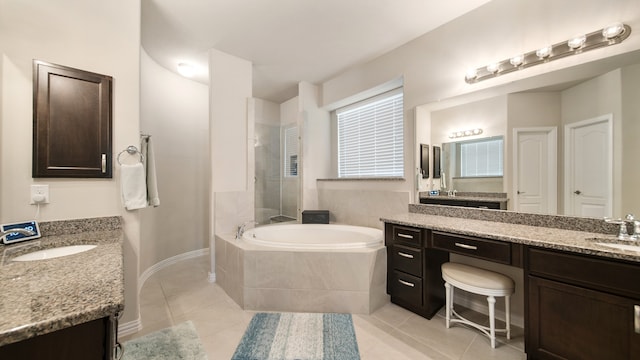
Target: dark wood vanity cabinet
{"x": 413, "y": 279}
{"x": 581, "y": 307}
{"x": 93, "y": 340}
{"x": 452, "y": 201}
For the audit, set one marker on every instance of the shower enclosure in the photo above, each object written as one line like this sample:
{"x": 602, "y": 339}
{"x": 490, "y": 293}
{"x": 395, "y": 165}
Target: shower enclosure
{"x": 276, "y": 171}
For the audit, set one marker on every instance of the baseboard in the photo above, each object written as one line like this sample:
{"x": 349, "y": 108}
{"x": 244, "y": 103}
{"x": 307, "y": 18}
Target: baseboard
{"x": 168, "y": 262}
{"x": 129, "y": 328}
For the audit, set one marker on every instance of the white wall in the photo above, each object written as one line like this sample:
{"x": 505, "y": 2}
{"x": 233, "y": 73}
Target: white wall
{"x": 97, "y": 36}
{"x": 175, "y": 111}
{"x": 231, "y": 134}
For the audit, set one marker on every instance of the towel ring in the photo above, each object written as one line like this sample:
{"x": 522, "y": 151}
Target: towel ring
{"x": 131, "y": 150}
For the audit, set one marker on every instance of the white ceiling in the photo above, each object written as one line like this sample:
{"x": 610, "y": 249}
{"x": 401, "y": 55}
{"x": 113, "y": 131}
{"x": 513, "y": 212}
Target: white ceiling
{"x": 288, "y": 41}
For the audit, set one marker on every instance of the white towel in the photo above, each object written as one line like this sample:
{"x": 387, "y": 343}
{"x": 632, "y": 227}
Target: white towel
{"x": 134, "y": 187}
{"x": 153, "y": 198}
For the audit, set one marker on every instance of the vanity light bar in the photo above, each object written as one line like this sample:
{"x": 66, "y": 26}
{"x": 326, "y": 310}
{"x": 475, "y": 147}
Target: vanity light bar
{"x": 610, "y": 35}
{"x": 463, "y": 133}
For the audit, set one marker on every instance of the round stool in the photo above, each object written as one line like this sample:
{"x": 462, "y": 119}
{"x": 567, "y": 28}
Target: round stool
{"x": 477, "y": 281}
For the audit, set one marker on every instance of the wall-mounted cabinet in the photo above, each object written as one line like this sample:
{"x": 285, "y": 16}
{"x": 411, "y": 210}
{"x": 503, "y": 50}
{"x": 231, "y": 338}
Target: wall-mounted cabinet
{"x": 71, "y": 122}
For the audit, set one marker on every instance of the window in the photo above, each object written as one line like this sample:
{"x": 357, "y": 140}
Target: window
{"x": 371, "y": 137}
{"x": 481, "y": 158}
{"x": 291, "y": 151}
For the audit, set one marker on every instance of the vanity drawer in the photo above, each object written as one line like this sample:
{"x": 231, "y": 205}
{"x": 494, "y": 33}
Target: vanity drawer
{"x": 496, "y": 251}
{"x": 407, "y": 235}
{"x": 406, "y": 287}
{"x": 597, "y": 273}
{"x": 407, "y": 259}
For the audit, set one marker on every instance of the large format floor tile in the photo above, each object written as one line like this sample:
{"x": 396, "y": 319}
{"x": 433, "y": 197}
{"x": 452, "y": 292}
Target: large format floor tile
{"x": 181, "y": 292}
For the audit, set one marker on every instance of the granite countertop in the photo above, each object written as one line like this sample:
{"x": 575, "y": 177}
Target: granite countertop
{"x": 38, "y": 297}
{"x": 465, "y": 198}
{"x": 568, "y": 240}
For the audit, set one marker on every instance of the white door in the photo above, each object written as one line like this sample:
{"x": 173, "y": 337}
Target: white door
{"x": 535, "y": 181}
{"x": 588, "y": 167}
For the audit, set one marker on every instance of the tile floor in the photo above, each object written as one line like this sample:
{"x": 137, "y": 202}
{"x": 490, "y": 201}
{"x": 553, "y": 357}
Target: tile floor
{"x": 181, "y": 292}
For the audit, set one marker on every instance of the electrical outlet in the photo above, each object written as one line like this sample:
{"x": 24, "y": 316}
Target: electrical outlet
{"x": 39, "y": 194}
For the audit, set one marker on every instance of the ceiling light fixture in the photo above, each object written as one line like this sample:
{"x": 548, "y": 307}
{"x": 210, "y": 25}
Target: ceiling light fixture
{"x": 186, "y": 70}
{"x": 610, "y": 35}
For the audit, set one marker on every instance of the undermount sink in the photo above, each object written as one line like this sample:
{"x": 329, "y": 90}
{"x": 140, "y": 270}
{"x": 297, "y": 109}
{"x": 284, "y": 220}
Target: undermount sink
{"x": 54, "y": 253}
{"x": 620, "y": 246}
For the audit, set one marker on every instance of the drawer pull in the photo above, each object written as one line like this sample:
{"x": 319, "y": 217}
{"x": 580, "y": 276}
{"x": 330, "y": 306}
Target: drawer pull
{"x": 465, "y": 246}
{"x": 405, "y": 236}
{"x": 406, "y": 283}
{"x": 636, "y": 318}
{"x": 408, "y": 256}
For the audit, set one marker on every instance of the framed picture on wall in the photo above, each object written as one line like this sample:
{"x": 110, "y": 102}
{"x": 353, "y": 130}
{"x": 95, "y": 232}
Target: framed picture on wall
{"x": 424, "y": 161}
{"x": 436, "y": 162}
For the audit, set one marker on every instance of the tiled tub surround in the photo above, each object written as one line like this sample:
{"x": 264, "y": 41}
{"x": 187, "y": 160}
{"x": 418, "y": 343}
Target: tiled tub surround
{"x": 267, "y": 279}
{"x": 39, "y": 297}
{"x": 548, "y": 231}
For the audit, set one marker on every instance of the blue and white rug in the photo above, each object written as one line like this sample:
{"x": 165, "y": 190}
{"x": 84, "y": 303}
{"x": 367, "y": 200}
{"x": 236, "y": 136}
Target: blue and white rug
{"x": 180, "y": 342}
{"x": 285, "y": 336}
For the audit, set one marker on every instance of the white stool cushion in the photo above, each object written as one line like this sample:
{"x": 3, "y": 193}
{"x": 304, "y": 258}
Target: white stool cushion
{"x": 476, "y": 280}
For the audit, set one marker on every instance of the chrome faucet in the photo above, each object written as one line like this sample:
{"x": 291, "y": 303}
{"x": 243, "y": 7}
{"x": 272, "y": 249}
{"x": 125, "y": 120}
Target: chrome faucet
{"x": 16, "y": 230}
{"x": 241, "y": 229}
{"x": 452, "y": 193}
{"x": 623, "y": 233}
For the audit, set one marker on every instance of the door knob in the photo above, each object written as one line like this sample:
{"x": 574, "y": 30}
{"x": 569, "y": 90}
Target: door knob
{"x": 520, "y": 192}
{"x": 577, "y": 192}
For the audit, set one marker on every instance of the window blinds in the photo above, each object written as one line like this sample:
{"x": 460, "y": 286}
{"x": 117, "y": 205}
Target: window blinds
{"x": 370, "y": 137}
{"x": 483, "y": 158}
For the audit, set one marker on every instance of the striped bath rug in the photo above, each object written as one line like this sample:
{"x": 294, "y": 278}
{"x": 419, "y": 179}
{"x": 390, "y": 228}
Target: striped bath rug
{"x": 285, "y": 336}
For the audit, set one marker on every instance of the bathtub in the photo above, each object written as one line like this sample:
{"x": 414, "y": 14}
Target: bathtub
{"x": 315, "y": 236}
{"x": 304, "y": 268}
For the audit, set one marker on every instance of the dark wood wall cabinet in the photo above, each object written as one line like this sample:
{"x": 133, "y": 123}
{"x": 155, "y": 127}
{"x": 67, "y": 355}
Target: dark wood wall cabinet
{"x": 71, "y": 122}
{"x": 577, "y": 306}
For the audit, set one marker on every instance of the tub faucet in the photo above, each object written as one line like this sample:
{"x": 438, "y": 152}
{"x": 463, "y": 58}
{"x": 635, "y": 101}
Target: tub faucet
{"x": 242, "y": 228}
{"x": 16, "y": 230}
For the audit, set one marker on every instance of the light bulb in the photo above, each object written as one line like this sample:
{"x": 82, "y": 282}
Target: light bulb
{"x": 471, "y": 74}
{"x": 493, "y": 68}
{"x": 576, "y": 42}
{"x": 543, "y": 52}
{"x": 612, "y": 30}
{"x": 517, "y": 60}
{"x": 186, "y": 70}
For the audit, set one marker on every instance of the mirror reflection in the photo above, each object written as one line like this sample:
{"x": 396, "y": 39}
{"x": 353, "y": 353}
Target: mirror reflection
{"x": 473, "y": 165}
{"x": 563, "y": 146}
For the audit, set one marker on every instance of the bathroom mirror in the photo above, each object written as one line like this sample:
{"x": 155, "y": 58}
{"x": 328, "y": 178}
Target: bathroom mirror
{"x": 584, "y": 92}
{"x": 474, "y": 165}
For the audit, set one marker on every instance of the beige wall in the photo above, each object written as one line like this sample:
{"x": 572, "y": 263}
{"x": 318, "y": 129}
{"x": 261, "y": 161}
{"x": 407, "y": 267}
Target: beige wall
{"x": 175, "y": 111}
{"x": 433, "y": 65}
{"x": 630, "y": 202}
{"x": 596, "y": 97}
{"x": 97, "y": 36}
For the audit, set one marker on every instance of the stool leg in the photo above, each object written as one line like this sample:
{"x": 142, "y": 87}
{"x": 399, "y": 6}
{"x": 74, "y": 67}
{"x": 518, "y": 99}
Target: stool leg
{"x": 492, "y": 320}
{"x": 507, "y": 305}
{"x": 448, "y": 294}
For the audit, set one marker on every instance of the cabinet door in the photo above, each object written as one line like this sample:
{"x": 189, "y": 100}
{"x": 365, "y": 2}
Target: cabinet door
{"x": 71, "y": 122}
{"x": 570, "y": 322}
